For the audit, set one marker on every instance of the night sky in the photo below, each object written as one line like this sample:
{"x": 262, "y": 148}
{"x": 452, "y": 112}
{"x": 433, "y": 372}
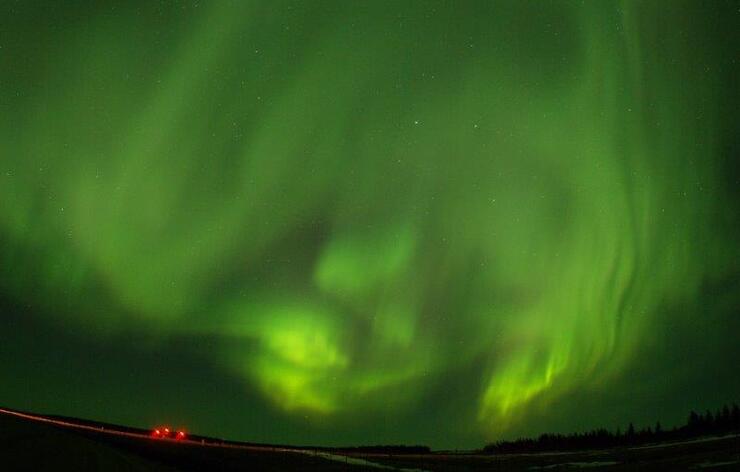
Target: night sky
{"x": 340, "y": 222}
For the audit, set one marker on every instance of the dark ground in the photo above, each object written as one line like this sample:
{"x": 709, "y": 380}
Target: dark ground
{"x": 31, "y": 445}
{"x": 721, "y": 454}
{"x": 27, "y": 445}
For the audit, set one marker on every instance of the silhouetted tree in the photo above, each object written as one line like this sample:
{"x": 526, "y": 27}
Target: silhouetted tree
{"x": 694, "y": 422}
{"x": 726, "y": 420}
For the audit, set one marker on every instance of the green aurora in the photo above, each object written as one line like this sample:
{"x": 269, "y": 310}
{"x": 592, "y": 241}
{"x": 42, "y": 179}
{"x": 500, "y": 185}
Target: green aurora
{"x": 362, "y": 222}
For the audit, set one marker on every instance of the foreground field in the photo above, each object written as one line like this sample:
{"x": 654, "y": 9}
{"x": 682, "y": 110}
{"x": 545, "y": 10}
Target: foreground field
{"x": 33, "y": 445}
{"x": 721, "y": 453}
{"x": 30, "y": 442}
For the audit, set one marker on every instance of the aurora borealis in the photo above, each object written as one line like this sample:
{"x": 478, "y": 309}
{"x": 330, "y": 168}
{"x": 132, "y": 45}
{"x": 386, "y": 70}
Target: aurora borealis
{"x": 344, "y": 222}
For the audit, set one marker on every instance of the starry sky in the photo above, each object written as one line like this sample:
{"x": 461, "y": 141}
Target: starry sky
{"x": 333, "y": 222}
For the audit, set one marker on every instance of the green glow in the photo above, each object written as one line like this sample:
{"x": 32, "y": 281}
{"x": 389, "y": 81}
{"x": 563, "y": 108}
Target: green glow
{"x": 355, "y": 204}
{"x": 298, "y": 354}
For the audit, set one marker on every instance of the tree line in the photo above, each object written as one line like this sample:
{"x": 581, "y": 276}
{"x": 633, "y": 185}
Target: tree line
{"x": 725, "y": 420}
